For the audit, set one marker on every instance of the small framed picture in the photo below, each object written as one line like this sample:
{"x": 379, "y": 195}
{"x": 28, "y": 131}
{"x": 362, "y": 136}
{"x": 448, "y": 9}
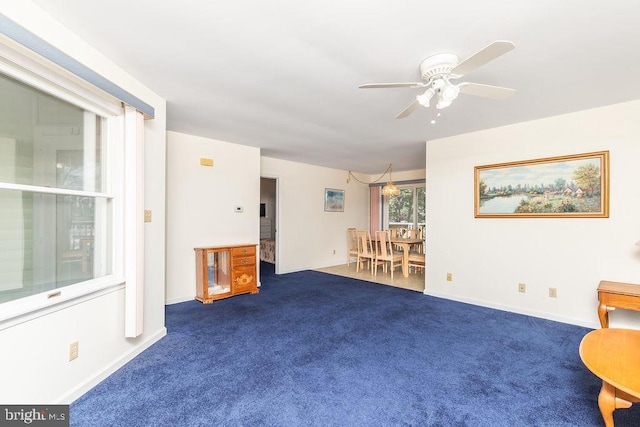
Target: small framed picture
{"x": 333, "y": 200}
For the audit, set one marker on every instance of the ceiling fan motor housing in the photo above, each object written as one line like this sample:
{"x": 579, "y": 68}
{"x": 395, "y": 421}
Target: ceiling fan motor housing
{"x": 438, "y": 65}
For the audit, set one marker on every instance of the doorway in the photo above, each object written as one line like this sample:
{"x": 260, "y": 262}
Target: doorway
{"x": 268, "y": 225}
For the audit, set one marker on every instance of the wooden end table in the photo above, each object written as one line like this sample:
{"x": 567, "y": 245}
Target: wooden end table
{"x": 613, "y": 355}
{"x": 614, "y": 295}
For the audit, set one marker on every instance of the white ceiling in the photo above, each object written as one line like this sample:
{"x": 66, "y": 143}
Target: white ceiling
{"x": 283, "y": 75}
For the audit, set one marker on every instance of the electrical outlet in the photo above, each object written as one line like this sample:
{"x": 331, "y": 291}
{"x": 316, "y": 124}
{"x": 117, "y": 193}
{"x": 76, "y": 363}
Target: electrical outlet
{"x": 522, "y": 288}
{"x": 553, "y": 293}
{"x": 73, "y": 351}
{"x": 147, "y": 216}
{"x": 449, "y": 277}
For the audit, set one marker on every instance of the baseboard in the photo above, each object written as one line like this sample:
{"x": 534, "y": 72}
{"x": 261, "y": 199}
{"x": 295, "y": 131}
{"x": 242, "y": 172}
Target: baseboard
{"x": 518, "y": 310}
{"x": 178, "y": 300}
{"x": 69, "y": 397}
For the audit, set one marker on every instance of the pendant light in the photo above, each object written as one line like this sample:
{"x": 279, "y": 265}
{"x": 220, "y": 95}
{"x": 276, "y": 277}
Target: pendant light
{"x": 390, "y": 189}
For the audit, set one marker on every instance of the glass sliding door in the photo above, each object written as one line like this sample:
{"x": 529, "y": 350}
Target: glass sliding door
{"x": 405, "y": 211}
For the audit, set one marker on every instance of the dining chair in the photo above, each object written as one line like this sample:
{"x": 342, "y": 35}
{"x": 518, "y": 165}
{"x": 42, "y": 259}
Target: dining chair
{"x": 417, "y": 261}
{"x": 365, "y": 251}
{"x": 352, "y": 245}
{"x": 414, "y": 233}
{"x": 384, "y": 253}
{"x": 398, "y": 233}
{"x": 416, "y": 258}
{"x": 401, "y": 232}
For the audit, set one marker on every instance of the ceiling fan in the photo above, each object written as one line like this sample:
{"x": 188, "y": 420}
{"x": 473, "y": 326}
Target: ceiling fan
{"x": 437, "y": 71}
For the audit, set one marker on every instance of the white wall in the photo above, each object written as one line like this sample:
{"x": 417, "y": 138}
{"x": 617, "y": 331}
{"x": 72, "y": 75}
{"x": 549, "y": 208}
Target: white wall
{"x": 489, "y": 257}
{"x": 201, "y": 203}
{"x": 403, "y": 175}
{"x": 307, "y": 235}
{"x": 34, "y": 364}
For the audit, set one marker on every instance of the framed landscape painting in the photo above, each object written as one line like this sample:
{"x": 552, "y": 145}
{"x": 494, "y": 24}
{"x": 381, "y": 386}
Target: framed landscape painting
{"x": 575, "y": 186}
{"x": 333, "y": 200}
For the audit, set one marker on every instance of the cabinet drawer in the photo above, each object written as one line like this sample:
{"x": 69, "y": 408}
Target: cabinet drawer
{"x": 630, "y": 302}
{"x": 237, "y": 261}
{"x": 243, "y": 251}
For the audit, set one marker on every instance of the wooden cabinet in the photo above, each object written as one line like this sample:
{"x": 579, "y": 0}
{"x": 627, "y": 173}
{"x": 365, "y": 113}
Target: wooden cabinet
{"x": 225, "y": 271}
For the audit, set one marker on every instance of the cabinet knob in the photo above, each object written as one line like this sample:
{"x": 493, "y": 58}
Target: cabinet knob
{"x": 244, "y": 261}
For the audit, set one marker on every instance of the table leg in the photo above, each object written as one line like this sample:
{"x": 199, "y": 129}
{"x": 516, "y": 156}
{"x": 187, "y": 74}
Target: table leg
{"x": 603, "y": 315}
{"x": 405, "y": 260}
{"x": 608, "y": 402}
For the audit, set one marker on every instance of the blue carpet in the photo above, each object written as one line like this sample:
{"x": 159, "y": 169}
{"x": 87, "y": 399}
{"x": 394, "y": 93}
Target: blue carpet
{"x": 313, "y": 349}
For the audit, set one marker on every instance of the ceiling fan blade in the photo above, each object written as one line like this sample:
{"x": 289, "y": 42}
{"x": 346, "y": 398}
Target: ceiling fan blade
{"x": 486, "y": 91}
{"x": 391, "y": 85}
{"x": 489, "y": 53}
{"x": 410, "y": 109}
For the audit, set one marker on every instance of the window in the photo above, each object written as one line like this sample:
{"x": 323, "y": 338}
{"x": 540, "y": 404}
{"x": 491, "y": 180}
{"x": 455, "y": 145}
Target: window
{"x": 60, "y": 194}
{"x": 406, "y": 210}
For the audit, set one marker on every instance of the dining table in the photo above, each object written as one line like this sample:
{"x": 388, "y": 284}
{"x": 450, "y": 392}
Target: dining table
{"x": 405, "y": 243}
{"x": 613, "y": 355}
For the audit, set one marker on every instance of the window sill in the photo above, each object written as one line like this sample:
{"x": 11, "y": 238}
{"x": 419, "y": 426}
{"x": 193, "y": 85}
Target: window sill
{"x": 25, "y": 309}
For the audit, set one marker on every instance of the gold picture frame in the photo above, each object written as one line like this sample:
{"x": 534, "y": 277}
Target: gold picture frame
{"x": 573, "y": 186}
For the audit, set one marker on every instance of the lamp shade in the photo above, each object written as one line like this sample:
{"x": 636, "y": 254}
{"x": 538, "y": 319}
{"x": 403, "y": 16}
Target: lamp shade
{"x": 425, "y": 97}
{"x": 447, "y": 94}
{"x": 390, "y": 190}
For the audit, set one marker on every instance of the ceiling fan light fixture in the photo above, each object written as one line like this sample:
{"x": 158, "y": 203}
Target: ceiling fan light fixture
{"x": 425, "y": 98}
{"x": 442, "y": 103}
{"x": 450, "y": 92}
{"x": 447, "y": 94}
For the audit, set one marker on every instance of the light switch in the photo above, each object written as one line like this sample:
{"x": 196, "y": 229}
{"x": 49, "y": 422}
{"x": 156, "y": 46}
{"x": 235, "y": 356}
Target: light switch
{"x": 147, "y": 216}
